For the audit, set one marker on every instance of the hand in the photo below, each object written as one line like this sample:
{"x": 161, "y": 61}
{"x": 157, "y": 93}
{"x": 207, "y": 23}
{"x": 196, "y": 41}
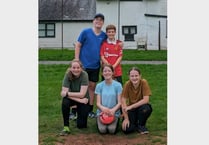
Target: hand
{"x": 127, "y": 108}
{"x": 84, "y": 100}
{"x": 121, "y": 44}
{"x": 125, "y": 124}
{"x": 112, "y": 112}
{"x": 64, "y": 94}
{"x": 107, "y": 111}
{"x": 114, "y": 66}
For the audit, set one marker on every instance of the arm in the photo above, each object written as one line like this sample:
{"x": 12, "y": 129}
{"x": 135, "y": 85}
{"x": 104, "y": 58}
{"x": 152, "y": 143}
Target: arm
{"x": 77, "y": 49}
{"x": 117, "y": 62}
{"x": 123, "y": 105}
{"x": 102, "y": 54}
{"x": 120, "y": 53}
{"x": 126, "y": 121}
{"x": 83, "y": 100}
{"x": 64, "y": 91}
{"x": 101, "y": 107}
{"x": 104, "y": 60}
{"x": 145, "y": 100}
{"x": 80, "y": 94}
{"x": 117, "y": 106}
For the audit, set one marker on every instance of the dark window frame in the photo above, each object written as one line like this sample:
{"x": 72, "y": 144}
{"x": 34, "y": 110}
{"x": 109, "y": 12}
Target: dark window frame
{"x": 46, "y": 30}
{"x": 130, "y": 35}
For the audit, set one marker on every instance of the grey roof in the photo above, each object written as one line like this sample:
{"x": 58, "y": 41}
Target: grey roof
{"x": 72, "y": 9}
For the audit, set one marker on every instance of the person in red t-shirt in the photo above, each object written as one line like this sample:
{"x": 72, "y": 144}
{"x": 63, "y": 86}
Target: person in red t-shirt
{"x": 111, "y": 52}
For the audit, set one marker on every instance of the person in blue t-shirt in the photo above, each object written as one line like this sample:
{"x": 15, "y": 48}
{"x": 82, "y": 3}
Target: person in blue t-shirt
{"x": 87, "y": 50}
{"x": 108, "y": 100}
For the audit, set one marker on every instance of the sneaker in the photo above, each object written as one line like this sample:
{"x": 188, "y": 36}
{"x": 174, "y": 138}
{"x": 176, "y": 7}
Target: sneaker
{"x": 65, "y": 131}
{"x": 142, "y": 130}
{"x": 92, "y": 115}
{"x": 72, "y": 116}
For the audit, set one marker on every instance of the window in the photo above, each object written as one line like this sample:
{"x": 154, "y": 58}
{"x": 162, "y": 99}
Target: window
{"x": 129, "y": 32}
{"x": 46, "y": 30}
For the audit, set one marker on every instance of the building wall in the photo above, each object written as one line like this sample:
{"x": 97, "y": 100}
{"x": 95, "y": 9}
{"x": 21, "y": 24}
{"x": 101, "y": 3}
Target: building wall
{"x": 71, "y": 31}
{"x": 129, "y": 13}
{"x": 134, "y": 16}
{"x": 156, "y": 6}
{"x": 132, "y": 13}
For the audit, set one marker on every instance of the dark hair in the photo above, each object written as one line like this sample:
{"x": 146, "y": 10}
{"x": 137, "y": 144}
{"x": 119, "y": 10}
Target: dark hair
{"x": 110, "y": 27}
{"x": 99, "y": 15}
{"x": 71, "y": 76}
{"x": 134, "y": 68}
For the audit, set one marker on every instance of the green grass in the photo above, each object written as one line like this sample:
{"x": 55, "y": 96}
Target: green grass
{"x": 50, "y": 116}
{"x": 50, "y": 81}
{"x": 66, "y": 54}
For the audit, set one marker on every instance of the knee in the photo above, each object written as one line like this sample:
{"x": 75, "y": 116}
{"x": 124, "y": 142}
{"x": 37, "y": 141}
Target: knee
{"x": 81, "y": 123}
{"x": 147, "y": 109}
{"x": 112, "y": 130}
{"x": 65, "y": 102}
{"x": 129, "y": 129}
{"x": 92, "y": 86}
{"x": 102, "y": 130}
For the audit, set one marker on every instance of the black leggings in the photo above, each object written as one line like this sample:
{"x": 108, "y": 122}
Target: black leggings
{"x": 138, "y": 116}
{"x": 82, "y": 112}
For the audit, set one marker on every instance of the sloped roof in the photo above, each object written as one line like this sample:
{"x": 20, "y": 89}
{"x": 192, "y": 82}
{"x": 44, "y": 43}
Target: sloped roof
{"x": 72, "y": 9}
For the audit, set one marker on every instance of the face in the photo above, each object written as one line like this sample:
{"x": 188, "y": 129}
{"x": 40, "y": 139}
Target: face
{"x": 134, "y": 77}
{"x": 98, "y": 22}
{"x": 76, "y": 69}
{"x": 107, "y": 73}
{"x": 111, "y": 33}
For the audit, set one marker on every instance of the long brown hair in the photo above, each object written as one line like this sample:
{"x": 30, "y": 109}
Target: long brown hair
{"x": 71, "y": 76}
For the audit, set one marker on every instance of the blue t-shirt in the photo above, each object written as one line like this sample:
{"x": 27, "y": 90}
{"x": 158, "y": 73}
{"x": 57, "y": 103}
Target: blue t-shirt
{"x": 90, "y": 48}
{"x": 109, "y": 95}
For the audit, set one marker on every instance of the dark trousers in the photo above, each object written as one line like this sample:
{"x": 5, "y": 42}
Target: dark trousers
{"x": 82, "y": 112}
{"x": 138, "y": 116}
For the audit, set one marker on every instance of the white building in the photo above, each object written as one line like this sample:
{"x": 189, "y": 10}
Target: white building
{"x": 135, "y": 20}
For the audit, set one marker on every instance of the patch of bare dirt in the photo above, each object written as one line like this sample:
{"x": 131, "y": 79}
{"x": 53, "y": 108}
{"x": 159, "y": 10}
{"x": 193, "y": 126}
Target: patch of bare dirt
{"x": 97, "y": 139}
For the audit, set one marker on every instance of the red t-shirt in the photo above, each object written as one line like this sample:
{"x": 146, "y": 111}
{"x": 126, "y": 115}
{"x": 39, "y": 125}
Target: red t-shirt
{"x": 111, "y": 53}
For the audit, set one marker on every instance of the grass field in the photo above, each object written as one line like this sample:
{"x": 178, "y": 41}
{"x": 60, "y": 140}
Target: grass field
{"x": 66, "y": 54}
{"x": 50, "y": 117}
